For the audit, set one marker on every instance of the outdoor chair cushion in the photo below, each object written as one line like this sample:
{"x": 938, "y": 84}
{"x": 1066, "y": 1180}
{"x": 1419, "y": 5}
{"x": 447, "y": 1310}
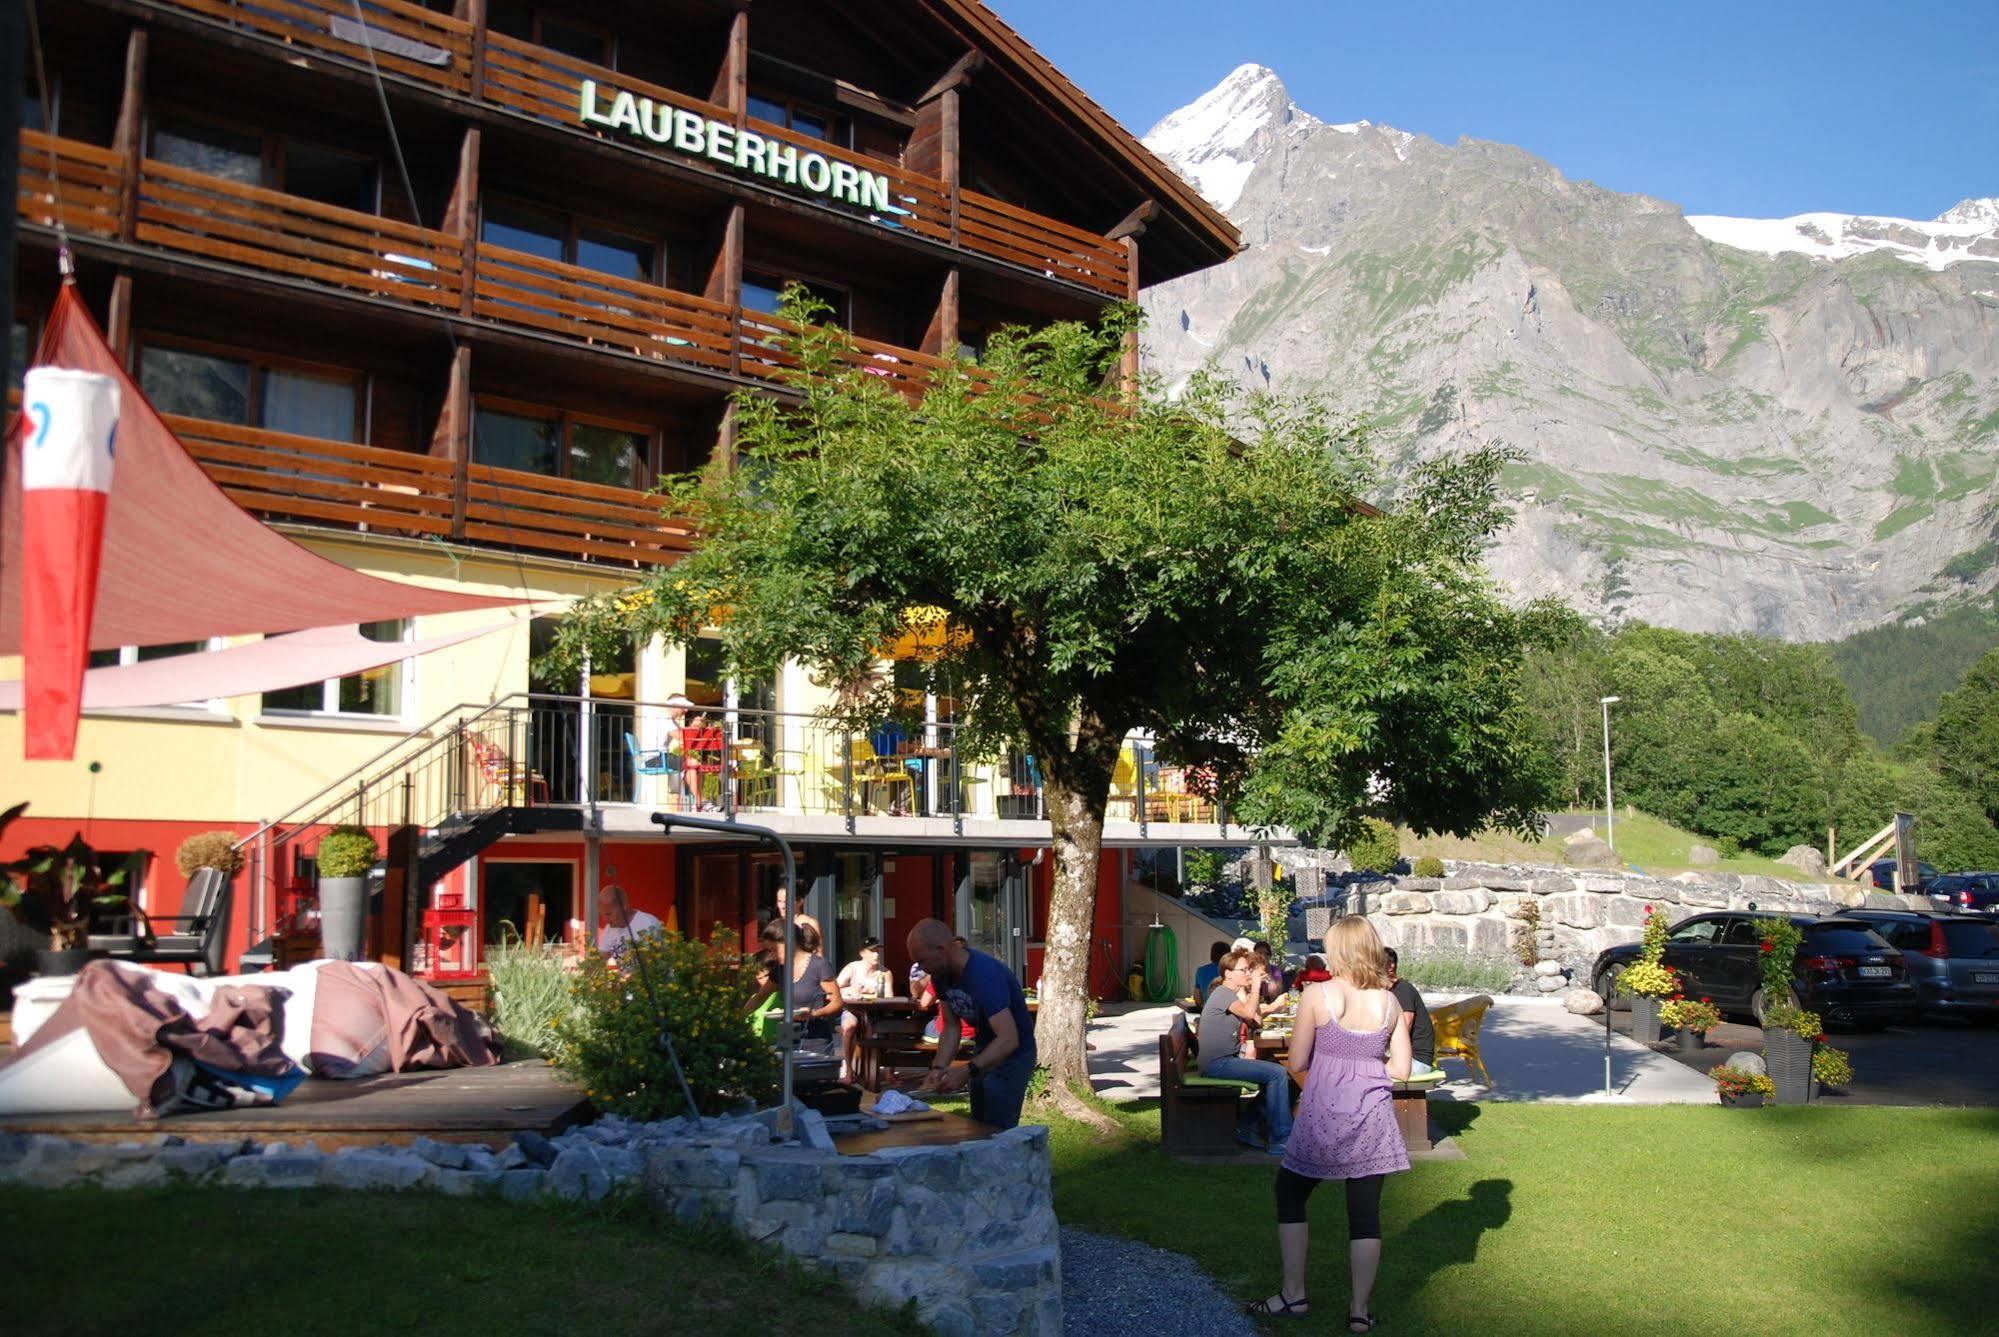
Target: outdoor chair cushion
{"x": 1194, "y": 1079}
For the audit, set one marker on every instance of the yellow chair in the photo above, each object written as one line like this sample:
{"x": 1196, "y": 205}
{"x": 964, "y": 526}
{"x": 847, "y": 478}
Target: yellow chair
{"x": 1456, "y": 1026}
{"x": 871, "y": 770}
{"x": 1124, "y": 782}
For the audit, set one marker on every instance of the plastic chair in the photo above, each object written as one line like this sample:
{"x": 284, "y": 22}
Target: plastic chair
{"x": 701, "y": 752}
{"x": 1124, "y": 781}
{"x": 509, "y": 776}
{"x": 871, "y": 768}
{"x": 650, "y": 763}
{"x": 1456, "y": 1026}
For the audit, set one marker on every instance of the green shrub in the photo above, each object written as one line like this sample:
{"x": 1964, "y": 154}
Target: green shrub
{"x": 1728, "y": 847}
{"x": 530, "y": 994}
{"x": 1428, "y": 866}
{"x": 1203, "y": 868}
{"x": 1377, "y": 849}
{"x": 609, "y": 1040}
{"x": 1456, "y": 970}
{"x": 346, "y": 851}
{"x": 209, "y": 849}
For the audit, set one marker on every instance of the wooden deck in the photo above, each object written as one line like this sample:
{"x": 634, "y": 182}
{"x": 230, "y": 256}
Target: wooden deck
{"x": 486, "y": 1105}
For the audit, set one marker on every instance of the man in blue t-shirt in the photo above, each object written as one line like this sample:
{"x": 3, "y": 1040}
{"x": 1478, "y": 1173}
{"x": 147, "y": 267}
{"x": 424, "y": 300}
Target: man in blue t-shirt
{"x": 977, "y": 989}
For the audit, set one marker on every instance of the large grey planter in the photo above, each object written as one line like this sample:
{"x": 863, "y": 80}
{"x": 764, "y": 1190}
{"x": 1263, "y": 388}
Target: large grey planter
{"x": 1644, "y": 1019}
{"x": 343, "y": 917}
{"x": 1789, "y": 1058}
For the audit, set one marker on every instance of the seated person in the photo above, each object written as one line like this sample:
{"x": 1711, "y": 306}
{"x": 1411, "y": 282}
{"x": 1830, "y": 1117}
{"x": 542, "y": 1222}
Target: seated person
{"x": 1422, "y": 1036}
{"x": 862, "y": 978}
{"x": 765, "y": 985}
{"x": 621, "y": 922}
{"x": 1205, "y": 977}
{"x": 1230, "y": 1019}
{"x": 815, "y": 997}
{"x": 1273, "y": 974}
{"x": 1313, "y": 972}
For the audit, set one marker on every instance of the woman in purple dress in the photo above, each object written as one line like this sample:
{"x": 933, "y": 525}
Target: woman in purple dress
{"x": 1351, "y": 1040}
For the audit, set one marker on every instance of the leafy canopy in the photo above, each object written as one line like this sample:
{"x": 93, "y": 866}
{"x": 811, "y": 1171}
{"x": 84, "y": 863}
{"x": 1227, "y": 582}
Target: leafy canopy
{"x": 1197, "y": 568}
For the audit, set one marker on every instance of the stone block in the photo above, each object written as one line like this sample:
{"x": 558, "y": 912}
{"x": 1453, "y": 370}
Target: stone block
{"x": 578, "y": 1175}
{"x": 950, "y": 1319}
{"x": 998, "y": 1314}
{"x": 1551, "y": 984}
{"x": 1582, "y": 1002}
{"x": 787, "y": 1175}
{"x": 1547, "y": 967}
{"x": 1623, "y": 912}
{"x": 1444, "y": 935}
{"x": 444, "y": 1155}
{"x": 1703, "y": 856}
{"x": 1417, "y": 884}
{"x": 1404, "y": 903}
{"x": 693, "y": 1167}
{"x": 1046, "y": 1319}
{"x": 284, "y": 1169}
{"x": 365, "y": 1169}
{"x": 869, "y": 1213}
{"x": 469, "y": 1183}
{"x": 1758, "y": 888}
{"x": 191, "y": 1162}
{"x": 812, "y": 1131}
{"x": 1551, "y": 884}
{"x": 1018, "y": 1271}
{"x": 510, "y": 1157}
{"x": 1704, "y": 896}
{"x": 1577, "y": 910}
{"x": 538, "y": 1149}
{"x": 1473, "y": 902}
{"x": 142, "y": 1173}
{"x": 851, "y": 1245}
{"x": 522, "y": 1185}
{"x": 1490, "y": 937}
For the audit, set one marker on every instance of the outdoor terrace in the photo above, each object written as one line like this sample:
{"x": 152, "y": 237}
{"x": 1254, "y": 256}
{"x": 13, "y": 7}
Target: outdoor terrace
{"x": 463, "y": 59}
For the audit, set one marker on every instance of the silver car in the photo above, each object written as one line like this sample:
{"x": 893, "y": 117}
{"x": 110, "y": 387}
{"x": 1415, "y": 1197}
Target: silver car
{"x": 1953, "y": 959}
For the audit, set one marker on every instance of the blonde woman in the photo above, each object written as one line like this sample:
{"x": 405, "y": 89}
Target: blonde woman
{"x": 1350, "y": 1041}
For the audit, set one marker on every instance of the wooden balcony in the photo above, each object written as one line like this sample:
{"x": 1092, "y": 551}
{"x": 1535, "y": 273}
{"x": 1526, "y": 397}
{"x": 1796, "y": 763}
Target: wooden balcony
{"x": 455, "y": 57}
{"x": 284, "y": 477}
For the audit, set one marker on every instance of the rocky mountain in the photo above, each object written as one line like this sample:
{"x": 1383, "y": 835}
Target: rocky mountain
{"x": 1786, "y": 426}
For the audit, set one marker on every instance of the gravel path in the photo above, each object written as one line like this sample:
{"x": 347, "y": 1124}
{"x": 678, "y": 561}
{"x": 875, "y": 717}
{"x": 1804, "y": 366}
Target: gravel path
{"x": 1117, "y": 1288}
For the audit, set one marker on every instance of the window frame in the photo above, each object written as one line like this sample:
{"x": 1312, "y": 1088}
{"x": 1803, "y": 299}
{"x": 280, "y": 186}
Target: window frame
{"x": 129, "y": 655}
{"x": 565, "y": 420}
{"x": 330, "y": 691}
{"x": 272, "y": 146}
{"x": 260, "y": 364}
{"x": 573, "y": 225}
{"x": 839, "y": 123}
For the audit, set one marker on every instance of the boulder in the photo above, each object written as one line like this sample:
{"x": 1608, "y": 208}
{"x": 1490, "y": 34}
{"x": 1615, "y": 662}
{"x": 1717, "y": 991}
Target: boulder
{"x": 1550, "y": 983}
{"x": 1579, "y": 835}
{"x": 1749, "y": 1062}
{"x": 1405, "y": 903}
{"x": 1590, "y": 853}
{"x": 1807, "y": 859}
{"x": 1576, "y": 910}
{"x": 1703, "y": 856}
{"x": 1474, "y": 902}
{"x": 1547, "y": 967}
{"x": 1583, "y": 1002}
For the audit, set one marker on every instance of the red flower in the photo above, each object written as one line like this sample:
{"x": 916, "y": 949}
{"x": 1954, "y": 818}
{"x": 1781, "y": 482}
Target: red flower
{"x": 1819, "y": 1038}
{"x": 1648, "y": 909}
{"x": 1769, "y": 946}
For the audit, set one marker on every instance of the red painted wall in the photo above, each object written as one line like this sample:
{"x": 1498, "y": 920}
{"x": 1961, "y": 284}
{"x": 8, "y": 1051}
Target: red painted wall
{"x": 909, "y": 887}
{"x": 643, "y": 868}
{"x": 1106, "y": 969}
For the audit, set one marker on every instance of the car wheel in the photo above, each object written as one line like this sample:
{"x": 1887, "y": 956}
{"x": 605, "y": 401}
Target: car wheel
{"x": 1756, "y": 1006}
{"x": 1606, "y": 987}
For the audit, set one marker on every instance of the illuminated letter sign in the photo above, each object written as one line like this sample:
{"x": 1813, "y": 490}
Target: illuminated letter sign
{"x": 744, "y": 150}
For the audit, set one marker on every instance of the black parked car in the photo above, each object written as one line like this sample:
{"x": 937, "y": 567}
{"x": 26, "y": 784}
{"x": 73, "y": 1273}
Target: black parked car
{"x": 1883, "y": 872}
{"x": 1953, "y": 959}
{"x": 1846, "y": 973}
{"x": 1965, "y": 892}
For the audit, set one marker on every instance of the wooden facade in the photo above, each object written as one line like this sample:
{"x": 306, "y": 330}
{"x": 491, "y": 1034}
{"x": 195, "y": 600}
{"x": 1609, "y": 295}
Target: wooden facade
{"x": 496, "y": 313}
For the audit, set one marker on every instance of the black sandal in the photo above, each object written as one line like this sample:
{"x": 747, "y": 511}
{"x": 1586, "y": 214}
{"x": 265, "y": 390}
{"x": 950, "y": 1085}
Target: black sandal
{"x": 1298, "y": 1308}
{"x": 1360, "y": 1322}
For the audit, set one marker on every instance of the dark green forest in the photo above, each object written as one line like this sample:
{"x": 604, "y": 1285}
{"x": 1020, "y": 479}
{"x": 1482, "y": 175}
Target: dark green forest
{"x": 1758, "y": 743}
{"x": 1897, "y": 673}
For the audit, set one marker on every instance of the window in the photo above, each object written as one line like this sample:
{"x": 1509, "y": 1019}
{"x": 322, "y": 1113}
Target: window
{"x": 550, "y": 235}
{"x": 1743, "y": 933}
{"x": 140, "y": 654}
{"x": 801, "y": 118}
{"x": 764, "y": 292}
{"x": 1841, "y": 940}
{"x": 1979, "y": 942}
{"x": 549, "y": 442}
{"x": 377, "y": 692}
{"x": 344, "y": 180}
{"x": 1905, "y": 934}
{"x": 210, "y": 150}
{"x": 297, "y": 167}
{"x": 1699, "y": 931}
{"x": 218, "y": 386}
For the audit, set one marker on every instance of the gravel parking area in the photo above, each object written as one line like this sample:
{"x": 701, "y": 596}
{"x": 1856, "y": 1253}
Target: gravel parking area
{"x": 1117, "y": 1288}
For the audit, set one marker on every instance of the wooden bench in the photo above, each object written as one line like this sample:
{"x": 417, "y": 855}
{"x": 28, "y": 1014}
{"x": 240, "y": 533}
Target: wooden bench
{"x": 1412, "y": 1110}
{"x": 1197, "y": 1115}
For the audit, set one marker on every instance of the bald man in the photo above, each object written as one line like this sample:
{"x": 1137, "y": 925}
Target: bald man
{"x": 977, "y": 989}
{"x": 621, "y": 922}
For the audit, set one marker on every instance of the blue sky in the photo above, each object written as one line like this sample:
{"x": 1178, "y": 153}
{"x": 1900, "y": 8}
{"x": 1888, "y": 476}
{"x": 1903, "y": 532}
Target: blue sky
{"x": 1754, "y": 108}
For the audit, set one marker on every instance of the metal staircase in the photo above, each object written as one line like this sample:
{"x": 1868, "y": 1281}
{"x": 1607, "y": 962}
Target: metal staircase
{"x": 441, "y": 794}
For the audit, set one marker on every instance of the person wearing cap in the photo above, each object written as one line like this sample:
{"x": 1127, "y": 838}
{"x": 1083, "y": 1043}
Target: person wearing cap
{"x": 860, "y": 979}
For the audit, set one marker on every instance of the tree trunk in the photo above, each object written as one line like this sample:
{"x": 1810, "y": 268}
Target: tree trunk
{"x": 1077, "y": 828}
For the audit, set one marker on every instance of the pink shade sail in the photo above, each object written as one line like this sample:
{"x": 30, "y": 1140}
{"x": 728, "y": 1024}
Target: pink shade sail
{"x": 268, "y": 665}
{"x": 181, "y": 561}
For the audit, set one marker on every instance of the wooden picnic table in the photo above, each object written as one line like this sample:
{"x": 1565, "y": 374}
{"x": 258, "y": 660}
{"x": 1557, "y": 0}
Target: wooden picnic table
{"x": 889, "y": 1026}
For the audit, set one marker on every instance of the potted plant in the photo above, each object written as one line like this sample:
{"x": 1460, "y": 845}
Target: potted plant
{"x": 209, "y": 849}
{"x": 1694, "y": 1017}
{"x": 1831, "y": 1067}
{"x": 1739, "y": 1089}
{"x": 54, "y": 889}
{"x": 1648, "y": 980}
{"x": 1789, "y": 1032}
{"x": 345, "y": 855}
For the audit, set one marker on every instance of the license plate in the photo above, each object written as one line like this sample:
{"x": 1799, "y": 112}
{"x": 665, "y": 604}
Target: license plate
{"x": 1875, "y": 972}
{"x": 1985, "y": 977}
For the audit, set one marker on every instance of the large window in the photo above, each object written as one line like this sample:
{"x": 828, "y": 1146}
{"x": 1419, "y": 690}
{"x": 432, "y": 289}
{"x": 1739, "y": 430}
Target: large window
{"x": 277, "y": 162}
{"x": 765, "y": 291}
{"x": 140, "y": 654}
{"x": 801, "y": 117}
{"x": 552, "y": 235}
{"x": 225, "y": 386}
{"x": 378, "y": 692}
{"x": 538, "y": 440}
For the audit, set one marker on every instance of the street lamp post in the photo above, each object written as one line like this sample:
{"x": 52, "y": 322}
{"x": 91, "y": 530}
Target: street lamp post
{"x": 1609, "y": 808}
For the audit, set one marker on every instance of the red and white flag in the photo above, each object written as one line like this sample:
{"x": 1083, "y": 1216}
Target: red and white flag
{"x": 69, "y": 426}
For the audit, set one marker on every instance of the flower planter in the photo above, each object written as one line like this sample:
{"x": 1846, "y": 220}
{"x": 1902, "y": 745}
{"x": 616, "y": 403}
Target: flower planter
{"x": 1645, "y": 1019}
{"x": 343, "y": 916}
{"x": 1743, "y": 1100}
{"x": 1691, "y": 1042}
{"x": 1789, "y": 1058}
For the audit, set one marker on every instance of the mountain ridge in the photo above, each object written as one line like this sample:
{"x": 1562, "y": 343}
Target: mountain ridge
{"x": 1716, "y": 437}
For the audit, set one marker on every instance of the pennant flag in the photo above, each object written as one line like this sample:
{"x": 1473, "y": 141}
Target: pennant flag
{"x": 69, "y": 426}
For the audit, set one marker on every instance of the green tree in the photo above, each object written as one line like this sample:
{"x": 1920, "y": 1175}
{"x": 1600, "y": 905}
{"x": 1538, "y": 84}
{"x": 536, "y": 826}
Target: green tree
{"x": 1198, "y": 569}
{"x": 1964, "y": 742}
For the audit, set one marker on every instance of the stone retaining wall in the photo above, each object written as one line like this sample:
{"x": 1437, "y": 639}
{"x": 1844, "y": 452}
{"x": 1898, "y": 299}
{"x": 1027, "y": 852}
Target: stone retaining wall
{"x": 1484, "y": 908}
{"x": 967, "y": 1232}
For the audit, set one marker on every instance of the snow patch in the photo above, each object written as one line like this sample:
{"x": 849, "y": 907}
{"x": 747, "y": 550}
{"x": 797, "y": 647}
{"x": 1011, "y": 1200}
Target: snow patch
{"x": 1827, "y": 236}
{"x": 1316, "y": 250}
{"x": 1205, "y": 140}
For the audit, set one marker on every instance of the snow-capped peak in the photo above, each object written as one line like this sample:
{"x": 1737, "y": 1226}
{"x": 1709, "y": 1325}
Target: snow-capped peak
{"x": 1208, "y": 141}
{"x": 1970, "y": 231}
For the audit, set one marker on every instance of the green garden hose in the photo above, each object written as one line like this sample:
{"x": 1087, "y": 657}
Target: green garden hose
{"x": 1162, "y": 964}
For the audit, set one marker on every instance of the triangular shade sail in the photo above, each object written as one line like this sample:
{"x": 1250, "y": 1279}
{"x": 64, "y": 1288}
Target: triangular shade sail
{"x": 260, "y": 666}
{"x": 182, "y": 562}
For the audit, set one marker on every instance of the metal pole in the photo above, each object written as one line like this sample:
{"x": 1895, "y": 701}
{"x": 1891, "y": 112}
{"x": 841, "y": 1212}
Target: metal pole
{"x": 1606, "y": 1046}
{"x": 1609, "y": 805}
{"x": 669, "y": 820}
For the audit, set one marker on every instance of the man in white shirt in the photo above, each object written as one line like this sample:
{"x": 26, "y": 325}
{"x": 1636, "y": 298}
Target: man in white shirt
{"x": 621, "y": 922}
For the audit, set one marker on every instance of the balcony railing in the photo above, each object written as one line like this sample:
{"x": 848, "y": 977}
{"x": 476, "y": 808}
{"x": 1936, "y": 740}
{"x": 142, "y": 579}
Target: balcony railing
{"x": 453, "y": 56}
{"x": 285, "y": 477}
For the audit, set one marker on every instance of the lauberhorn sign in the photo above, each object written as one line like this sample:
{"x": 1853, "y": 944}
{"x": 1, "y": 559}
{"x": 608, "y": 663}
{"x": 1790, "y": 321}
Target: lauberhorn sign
{"x": 719, "y": 142}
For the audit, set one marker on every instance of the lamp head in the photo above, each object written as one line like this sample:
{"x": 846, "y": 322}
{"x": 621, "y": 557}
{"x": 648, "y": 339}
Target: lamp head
{"x": 1609, "y": 700}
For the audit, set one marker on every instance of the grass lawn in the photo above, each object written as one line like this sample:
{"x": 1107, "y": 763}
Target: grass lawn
{"x": 89, "y": 1261}
{"x": 1580, "y": 1220}
{"x": 1652, "y": 845}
